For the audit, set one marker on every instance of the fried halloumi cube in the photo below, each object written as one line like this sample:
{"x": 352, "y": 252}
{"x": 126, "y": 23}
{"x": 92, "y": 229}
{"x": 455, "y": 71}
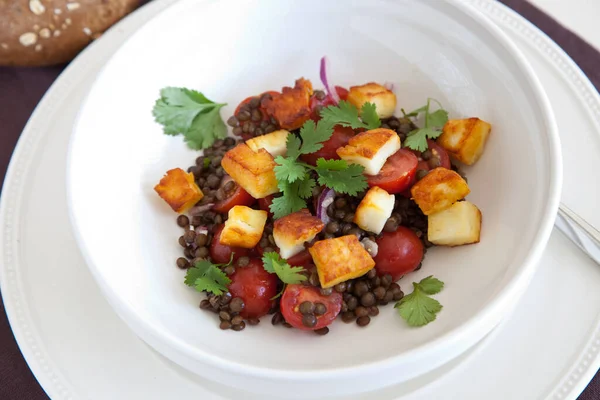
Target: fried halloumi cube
{"x": 253, "y": 171}
{"x": 291, "y": 107}
{"x": 384, "y": 99}
{"x": 438, "y": 190}
{"x": 179, "y": 190}
{"x": 244, "y": 227}
{"x": 370, "y": 149}
{"x": 293, "y": 230}
{"x": 340, "y": 259}
{"x": 275, "y": 143}
{"x": 460, "y": 224}
{"x": 465, "y": 139}
{"x": 374, "y": 210}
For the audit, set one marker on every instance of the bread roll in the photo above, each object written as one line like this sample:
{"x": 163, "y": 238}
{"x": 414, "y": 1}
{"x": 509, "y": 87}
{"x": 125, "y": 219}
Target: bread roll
{"x": 48, "y": 32}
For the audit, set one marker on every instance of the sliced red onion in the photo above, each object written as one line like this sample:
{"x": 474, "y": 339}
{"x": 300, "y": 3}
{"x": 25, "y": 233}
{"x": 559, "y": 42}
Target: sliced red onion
{"x": 197, "y": 210}
{"x": 325, "y": 199}
{"x": 370, "y": 246}
{"x": 389, "y": 86}
{"x": 201, "y": 230}
{"x": 323, "y": 73}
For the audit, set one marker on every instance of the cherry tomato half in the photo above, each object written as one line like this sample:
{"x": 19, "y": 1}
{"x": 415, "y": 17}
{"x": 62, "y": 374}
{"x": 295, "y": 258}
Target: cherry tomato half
{"x": 255, "y": 286}
{"x": 236, "y": 197}
{"x": 397, "y": 173}
{"x": 220, "y": 253}
{"x": 399, "y": 253}
{"x": 437, "y": 152}
{"x": 339, "y": 138}
{"x": 265, "y": 204}
{"x": 294, "y": 295}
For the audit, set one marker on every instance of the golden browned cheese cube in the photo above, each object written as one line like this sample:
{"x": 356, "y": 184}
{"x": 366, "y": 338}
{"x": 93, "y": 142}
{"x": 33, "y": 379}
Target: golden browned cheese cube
{"x": 340, "y": 259}
{"x": 370, "y": 149}
{"x": 293, "y": 230}
{"x": 460, "y": 224}
{"x": 291, "y": 107}
{"x": 253, "y": 171}
{"x": 244, "y": 227}
{"x": 465, "y": 139}
{"x": 384, "y": 99}
{"x": 179, "y": 190}
{"x": 438, "y": 190}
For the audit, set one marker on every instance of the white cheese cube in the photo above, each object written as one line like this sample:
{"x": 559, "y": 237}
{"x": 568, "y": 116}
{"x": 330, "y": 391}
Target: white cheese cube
{"x": 293, "y": 230}
{"x": 371, "y": 149}
{"x": 460, "y": 224}
{"x": 374, "y": 210}
{"x": 384, "y": 99}
{"x": 274, "y": 143}
{"x": 244, "y": 227}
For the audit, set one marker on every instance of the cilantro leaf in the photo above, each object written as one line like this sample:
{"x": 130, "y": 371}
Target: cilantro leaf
{"x": 274, "y": 264}
{"x": 205, "y": 276}
{"x": 418, "y": 308}
{"x": 369, "y": 116}
{"x": 341, "y": 177}
{"x": 434, "y": 122}
{"x": 210, "y": 121}
{"x": 287, "y": 203}
{"x": 287, "y": 169}
{"x": 344, "y": 114}
{"x": 313, "y": 135}
{"x": 305, "y": 187}
{"x": 293, "y": 146}
{"x": 431, "y": 285}
{"x": 188, "y": 112}
{"x": 437, "y": 119}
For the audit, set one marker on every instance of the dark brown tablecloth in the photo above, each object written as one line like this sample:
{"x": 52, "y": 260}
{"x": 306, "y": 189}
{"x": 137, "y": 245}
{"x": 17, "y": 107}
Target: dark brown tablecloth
{"x": 20, "y": 91}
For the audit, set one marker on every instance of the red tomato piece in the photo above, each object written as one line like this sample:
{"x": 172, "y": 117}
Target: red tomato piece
{"x": 339, "y": 138}
{"x": 399, "y": 253}
{"x": 294, "y": 295}
{"x": 220, "y": 253}
{"x": 397, "y": 173}
{"x": 237, "y": 197}
{"x": 437, "y": 151}
{"x": 255, "y": 286}
{"x": 265, "y": 204}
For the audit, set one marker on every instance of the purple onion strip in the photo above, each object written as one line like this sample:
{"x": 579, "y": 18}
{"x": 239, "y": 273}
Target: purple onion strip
{"x": 330, "y": 89}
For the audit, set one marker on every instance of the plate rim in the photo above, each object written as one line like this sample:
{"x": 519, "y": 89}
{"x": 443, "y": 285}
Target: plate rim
{"x": 13, "y": 184}
{"x": 476, "y": 326}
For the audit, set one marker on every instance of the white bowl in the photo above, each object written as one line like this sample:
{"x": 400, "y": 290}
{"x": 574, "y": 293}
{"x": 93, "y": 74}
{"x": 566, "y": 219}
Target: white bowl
{"x": 230, "y": 50}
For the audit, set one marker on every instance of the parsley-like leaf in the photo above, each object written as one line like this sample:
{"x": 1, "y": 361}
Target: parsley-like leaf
{"x": 287, "y": 169}
{"x": 431, "y": 285}
{"x": 205, "y": 276}
{"x": 346, "y": 114}
{"x": 293, "y": 146}
{"x": 369, "y": 116}
{"x": 341, "y": 177}
{"x": 188, "y": 112}
{"x": 305, "y": 187}
{"x": 418, "y": 308}
{"x": 287, "y": 203}
{"x": 434, "y": 122}
{"x": 313, "y": 135}
{"x": 274, "y": 264}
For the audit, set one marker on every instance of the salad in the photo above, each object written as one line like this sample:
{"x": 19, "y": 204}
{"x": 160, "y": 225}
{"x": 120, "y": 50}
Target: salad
{"x": 318, "y": 203}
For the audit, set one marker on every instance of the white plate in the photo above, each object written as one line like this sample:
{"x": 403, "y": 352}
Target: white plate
{"x": 118, "y": 153}
{"x": 78, "y": 348}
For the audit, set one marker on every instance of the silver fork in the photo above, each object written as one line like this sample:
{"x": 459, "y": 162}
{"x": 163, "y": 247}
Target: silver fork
{"x": 590, "y": 231}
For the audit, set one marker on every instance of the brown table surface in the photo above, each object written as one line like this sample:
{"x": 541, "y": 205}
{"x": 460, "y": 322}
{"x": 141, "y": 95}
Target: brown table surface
{"x": 22, "y": 88}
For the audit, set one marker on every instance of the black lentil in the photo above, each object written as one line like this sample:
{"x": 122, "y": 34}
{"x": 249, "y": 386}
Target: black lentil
{"x": 183, "y": 263}
{"x": 320, "y": 309}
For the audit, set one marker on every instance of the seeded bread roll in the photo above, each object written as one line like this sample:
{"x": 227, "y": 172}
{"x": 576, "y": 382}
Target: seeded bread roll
{"x": 48, "y": 32}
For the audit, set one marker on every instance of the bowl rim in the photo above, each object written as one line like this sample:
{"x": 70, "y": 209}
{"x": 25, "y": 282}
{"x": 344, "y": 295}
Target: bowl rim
{"x": 513, "y": 288}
